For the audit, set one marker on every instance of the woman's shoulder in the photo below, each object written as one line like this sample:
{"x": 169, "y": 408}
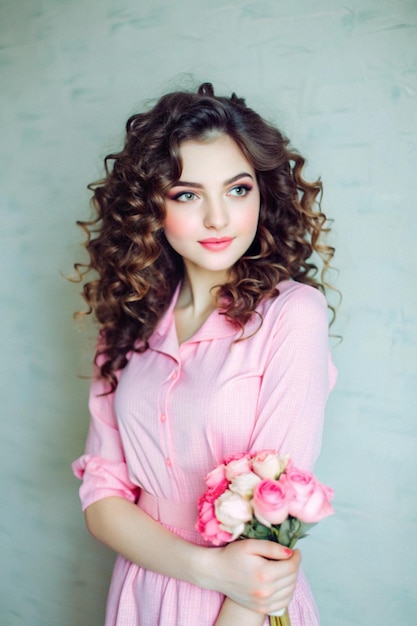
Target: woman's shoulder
{"x": 295, "y": 294}
{"x": 296, "y": 302}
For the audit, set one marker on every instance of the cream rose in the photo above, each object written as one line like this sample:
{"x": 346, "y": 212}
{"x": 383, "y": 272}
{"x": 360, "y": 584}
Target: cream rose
{"x": 269, "y": 464}
{"x": 244, "y": 484}
{"x": 233, "y": 511}
{"x": 237, "y": 466}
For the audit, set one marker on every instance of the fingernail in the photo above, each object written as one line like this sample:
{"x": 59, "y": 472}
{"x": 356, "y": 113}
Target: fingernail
{"x": 288, "y": 551}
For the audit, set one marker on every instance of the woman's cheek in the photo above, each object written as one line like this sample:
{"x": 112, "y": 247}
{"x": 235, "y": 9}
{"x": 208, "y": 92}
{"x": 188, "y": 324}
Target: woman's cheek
{"x": 248, "y": 220}
{"x": 175, "y": 224}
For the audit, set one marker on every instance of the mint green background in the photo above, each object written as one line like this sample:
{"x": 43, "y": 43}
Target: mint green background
{"x": 340, "y": 78}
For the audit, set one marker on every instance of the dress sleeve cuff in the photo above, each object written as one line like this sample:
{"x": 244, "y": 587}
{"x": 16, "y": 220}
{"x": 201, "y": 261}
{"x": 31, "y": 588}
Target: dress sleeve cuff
{"x": 102, "y": 478}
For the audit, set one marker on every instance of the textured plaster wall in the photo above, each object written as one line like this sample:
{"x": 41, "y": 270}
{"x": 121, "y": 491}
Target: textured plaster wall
{"x": 341, "y": 79}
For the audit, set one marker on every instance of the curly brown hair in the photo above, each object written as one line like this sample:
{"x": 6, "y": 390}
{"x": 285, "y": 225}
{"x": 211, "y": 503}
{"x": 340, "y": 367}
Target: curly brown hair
{"x": 137, "y": 269}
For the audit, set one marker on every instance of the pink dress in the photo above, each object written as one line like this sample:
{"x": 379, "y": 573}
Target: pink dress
{"x": 179, "y": 410}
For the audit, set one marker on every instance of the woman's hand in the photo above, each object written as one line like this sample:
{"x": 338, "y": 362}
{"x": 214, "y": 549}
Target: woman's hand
{"x": 259, "y": 575}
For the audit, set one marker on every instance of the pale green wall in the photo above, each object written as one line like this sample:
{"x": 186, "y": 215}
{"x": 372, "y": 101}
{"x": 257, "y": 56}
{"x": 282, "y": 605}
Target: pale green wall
{"x": 340, "y": 77}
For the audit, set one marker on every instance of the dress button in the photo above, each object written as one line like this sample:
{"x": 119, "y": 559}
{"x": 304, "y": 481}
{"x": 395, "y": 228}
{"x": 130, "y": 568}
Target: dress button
{"x": 168, "y": 462}
{"x": 163, "y": 418}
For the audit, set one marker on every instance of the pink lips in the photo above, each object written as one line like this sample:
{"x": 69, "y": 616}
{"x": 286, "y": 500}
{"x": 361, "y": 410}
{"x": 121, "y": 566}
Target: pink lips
{"x": 216, "y": 244}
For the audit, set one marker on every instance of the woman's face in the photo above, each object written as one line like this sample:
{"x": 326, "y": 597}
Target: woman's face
{"x": 212, "y": 212}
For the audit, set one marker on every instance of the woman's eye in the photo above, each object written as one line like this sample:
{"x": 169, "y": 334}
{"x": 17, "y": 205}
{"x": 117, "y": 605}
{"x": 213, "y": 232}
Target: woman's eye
{"x": 185, "y": 196}
{"x": 240, "y": 190}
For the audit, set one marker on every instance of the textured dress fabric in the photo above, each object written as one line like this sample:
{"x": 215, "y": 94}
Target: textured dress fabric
{"x": 180, "y": 410}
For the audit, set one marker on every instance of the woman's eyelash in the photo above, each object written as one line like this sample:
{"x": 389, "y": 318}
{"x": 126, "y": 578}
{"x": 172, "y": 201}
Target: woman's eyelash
{"x": 246, "y": 188}
{"x": 180, "y": 196}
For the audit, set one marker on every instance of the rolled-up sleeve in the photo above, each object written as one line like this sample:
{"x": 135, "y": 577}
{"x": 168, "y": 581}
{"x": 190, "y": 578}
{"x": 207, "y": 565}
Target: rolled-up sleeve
{"x": 102, "y": 468}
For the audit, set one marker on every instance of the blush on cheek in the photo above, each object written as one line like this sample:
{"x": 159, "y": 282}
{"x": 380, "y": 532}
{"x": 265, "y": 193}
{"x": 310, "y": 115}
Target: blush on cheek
{"x": 248, "y": 221}
{"x": 174, "y": 224}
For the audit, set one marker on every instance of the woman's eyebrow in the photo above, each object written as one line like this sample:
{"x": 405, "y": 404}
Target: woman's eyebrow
{"x": 237, "y": 177}
{"x": 186, "y": 183}
{"x": 229, "y": 181}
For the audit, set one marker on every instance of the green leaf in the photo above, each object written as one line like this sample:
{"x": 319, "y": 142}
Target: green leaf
{"x": 287, "y": 533}
{"x": 256, "y": 530}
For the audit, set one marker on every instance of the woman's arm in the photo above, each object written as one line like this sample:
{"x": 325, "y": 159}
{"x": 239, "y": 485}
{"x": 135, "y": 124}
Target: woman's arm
{"x": 258, "y": 575}
{"x": 295, "y": 386}
{"x": 232, "y": 613}
{"x": 297, "y": 378}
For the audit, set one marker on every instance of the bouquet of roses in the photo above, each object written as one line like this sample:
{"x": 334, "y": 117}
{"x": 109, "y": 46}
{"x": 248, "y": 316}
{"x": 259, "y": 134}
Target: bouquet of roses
{"x": 261, "y": 496}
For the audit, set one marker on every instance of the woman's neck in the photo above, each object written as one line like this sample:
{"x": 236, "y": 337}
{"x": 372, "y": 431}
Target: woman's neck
{"x": 196, "y": 301}
{"x": 198, "y": 292}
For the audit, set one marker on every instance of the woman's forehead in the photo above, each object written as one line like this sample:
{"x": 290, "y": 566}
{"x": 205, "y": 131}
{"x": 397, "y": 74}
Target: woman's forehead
{"x": 220, "y": 157}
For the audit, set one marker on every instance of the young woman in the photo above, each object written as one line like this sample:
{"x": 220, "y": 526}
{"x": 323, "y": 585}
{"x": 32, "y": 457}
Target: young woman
{"x": 213, "y": 341}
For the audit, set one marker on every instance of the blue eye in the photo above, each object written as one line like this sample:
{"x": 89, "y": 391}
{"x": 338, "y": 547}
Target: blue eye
{"x": 240, "y": 190}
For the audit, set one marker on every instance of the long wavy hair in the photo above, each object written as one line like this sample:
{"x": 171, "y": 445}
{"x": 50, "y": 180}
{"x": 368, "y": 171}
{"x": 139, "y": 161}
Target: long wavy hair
{"x": 137, "y": 271}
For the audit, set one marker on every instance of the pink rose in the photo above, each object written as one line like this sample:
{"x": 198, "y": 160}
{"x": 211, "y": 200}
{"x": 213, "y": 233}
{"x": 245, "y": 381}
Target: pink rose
{"x": 232, "y": 511}
{"x": 269, "y": 464}
{"x": 235, "y": 457}
{"x": 311, "y": 500}
{"x": 236, "y": 466}
{"x": 270, "y": 502}
{"x": 207, "y": 523}
{"x": 217, "y": 478}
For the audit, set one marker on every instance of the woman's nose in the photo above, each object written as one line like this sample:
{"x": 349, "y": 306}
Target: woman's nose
{"x": 216, "y": 215}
